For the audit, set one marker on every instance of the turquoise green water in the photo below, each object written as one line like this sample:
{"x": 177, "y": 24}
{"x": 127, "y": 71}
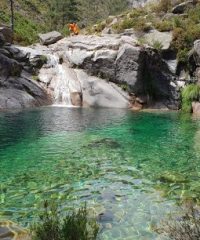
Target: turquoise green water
{"x": 132, "y": 168}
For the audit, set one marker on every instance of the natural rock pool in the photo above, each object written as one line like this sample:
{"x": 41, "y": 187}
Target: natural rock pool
{"x": 131, "y": 168}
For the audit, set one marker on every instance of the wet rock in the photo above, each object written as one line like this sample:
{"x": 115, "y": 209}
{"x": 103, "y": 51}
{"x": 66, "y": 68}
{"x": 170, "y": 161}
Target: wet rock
{"x": 50, "y": 38}
{"x": 136, "y": 106}
{"x": 196, "y": 108}
{"x": 76, "y": 98}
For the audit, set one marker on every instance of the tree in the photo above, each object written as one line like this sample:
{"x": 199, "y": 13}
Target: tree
{"x": 62, "y": 12}
{"x": 90, "y": 11}
{"x": 12, "y": 14}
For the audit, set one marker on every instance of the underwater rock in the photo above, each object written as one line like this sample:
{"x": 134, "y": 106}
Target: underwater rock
{"x": 170, "y": 177}
{"x": 107, "y": 142}
{"x": 11, "y": 231}
{"x": 106, "y": 216}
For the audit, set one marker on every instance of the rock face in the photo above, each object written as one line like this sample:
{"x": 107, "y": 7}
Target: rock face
{"x": 50, "y": 38}
{"x": 17, "y": 89}
{"x": 93, "y": 70}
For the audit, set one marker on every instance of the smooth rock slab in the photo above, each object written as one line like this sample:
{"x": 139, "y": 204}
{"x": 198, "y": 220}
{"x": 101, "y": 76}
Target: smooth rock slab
{"x": 50, "y": 38}
{"x": 97, "y": 92}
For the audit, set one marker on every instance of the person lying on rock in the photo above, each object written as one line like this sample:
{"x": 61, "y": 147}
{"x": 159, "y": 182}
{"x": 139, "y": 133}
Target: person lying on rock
{"x": 73, "y": 28}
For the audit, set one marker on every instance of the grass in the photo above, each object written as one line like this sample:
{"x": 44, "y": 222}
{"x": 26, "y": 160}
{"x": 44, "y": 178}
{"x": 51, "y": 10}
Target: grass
{"x": 189, "y": 94}
{"x": 76, "y": 225}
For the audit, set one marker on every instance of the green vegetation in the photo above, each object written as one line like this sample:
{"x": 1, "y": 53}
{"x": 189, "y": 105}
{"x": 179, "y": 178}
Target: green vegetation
{"x": 157, "y": 45}
{"x": 75, "y": 226}
{"x": 163, "y": 26}
{"x": 134, "y": 19}
{"x": 33, "y": 16}
{"x": 162, "y": 6}
{"x": 189, "y": 94}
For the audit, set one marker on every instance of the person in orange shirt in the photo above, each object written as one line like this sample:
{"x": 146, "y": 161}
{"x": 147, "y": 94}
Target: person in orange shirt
{"x": 73, "y": 28}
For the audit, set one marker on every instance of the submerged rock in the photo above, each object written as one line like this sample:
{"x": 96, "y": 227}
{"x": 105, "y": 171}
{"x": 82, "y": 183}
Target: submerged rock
{"x": 107, "y": 142}
{"x": 11, "y": 231}
{"x": 170, "y": 177}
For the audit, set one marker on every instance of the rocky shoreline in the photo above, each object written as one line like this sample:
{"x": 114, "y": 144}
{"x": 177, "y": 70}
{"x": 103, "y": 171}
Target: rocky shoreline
{"x": 104, "y": 70}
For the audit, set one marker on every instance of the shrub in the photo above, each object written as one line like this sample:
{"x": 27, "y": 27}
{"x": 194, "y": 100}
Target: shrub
{"x": 164, "y": 26}
{"x": 157, "y": 45}
{"x": 162, "y": 6}
{"x": 189, "y": 94}
{"x": 185, "y": 227}
{"x": 182, "y": 56}
{"x": 124, "y": 24}
{"x": 75, "y": 226}
{"x": 178, "y": 22}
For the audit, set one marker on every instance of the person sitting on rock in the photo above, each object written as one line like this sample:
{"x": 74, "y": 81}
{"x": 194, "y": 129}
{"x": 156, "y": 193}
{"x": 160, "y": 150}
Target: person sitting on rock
{"x": 73, "y": 28}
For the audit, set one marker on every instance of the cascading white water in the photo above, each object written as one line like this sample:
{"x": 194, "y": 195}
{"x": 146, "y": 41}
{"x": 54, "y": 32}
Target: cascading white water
{"x": 61, "y": 82}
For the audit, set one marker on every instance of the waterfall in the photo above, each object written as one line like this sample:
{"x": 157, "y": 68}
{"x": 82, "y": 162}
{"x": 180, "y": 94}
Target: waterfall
{"x": 61, "y": 91}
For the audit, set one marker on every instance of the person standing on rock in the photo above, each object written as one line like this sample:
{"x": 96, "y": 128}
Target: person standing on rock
{"x": 73, "y": 28}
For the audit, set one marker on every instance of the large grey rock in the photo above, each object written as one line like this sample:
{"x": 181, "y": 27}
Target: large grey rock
{"x": 50, "y": 38}
{"x": 17, "y": 89}
{"x": 129, "y": 66}
{"x": 97, "y": 92}
{"x": 182, "y": 7}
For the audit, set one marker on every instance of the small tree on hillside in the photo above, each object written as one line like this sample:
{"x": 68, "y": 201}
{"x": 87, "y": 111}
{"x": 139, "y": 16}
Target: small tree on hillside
{"x": 12, "y": 14}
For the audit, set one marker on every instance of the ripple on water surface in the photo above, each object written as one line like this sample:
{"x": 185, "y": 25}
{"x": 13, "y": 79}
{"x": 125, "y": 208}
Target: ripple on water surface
{"x": 131, "y": 168}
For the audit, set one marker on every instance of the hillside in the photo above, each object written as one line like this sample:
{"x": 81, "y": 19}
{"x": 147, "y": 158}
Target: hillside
{"x": 36, "y": 16}
{"x": 29, "y": 18}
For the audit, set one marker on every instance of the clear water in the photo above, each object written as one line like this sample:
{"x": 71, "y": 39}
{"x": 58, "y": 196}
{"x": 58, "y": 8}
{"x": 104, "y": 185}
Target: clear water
{"x": 131, "y": 168}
